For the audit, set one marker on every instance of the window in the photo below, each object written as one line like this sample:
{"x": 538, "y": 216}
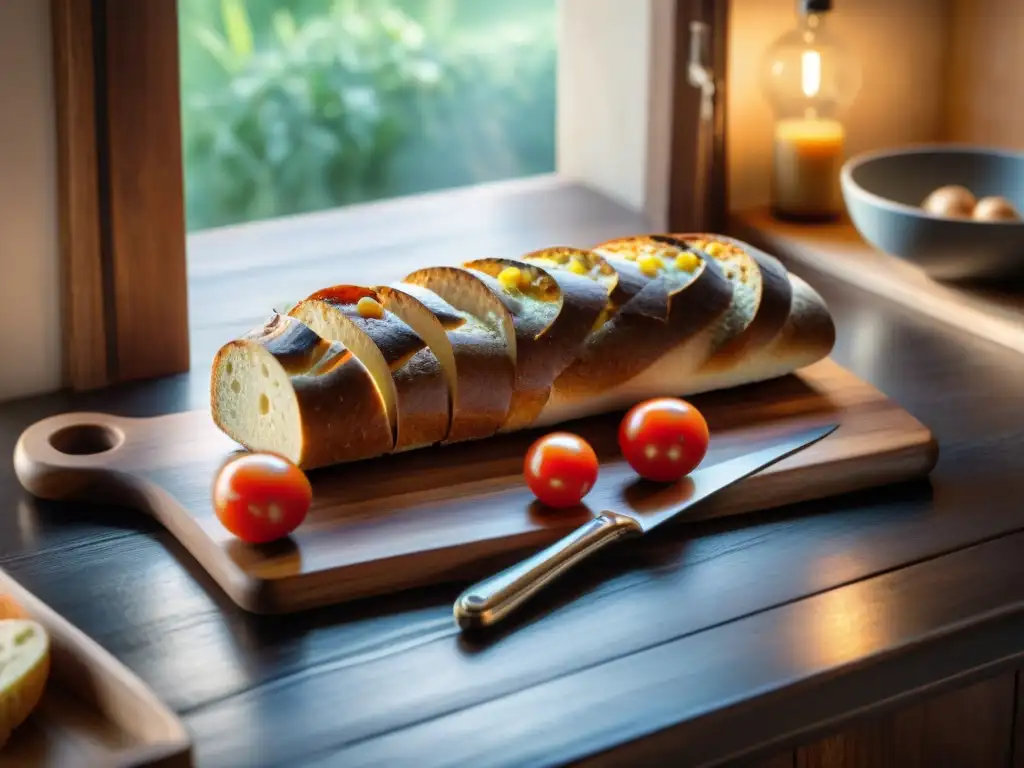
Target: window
{"x": 302, "y": 143}
{"x": 294, "y": 106}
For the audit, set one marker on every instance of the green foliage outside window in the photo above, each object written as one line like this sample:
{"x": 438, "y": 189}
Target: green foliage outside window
{"x": 290, "y": 106}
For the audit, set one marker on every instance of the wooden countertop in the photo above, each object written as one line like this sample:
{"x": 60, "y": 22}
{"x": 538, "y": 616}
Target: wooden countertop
{"x": 692, "y": 646}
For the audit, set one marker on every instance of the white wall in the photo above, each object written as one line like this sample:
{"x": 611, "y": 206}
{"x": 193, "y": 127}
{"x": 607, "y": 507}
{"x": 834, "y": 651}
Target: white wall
{"x": 30, "y": 316}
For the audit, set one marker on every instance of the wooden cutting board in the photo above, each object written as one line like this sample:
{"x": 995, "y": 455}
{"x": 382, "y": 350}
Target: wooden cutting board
{"x": 94, "y": 711}
{"x": 457, "y": 512}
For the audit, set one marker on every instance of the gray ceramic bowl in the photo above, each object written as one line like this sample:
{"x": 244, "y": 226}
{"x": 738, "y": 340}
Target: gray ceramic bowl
{"x": 884, "y": 191}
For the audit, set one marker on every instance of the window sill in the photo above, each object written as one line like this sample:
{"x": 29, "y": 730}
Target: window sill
{"x": 238, "y": 275}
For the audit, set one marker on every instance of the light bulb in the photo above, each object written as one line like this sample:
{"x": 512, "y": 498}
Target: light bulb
{"x": 810, "y": 78}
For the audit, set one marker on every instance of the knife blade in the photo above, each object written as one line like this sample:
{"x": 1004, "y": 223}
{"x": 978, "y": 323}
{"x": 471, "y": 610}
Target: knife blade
{"x": 492, "y": 599}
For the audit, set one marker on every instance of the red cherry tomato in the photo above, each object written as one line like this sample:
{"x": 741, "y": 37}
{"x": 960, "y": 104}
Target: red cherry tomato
{"x": 663, "y": 439}
{"x": 560, "y": 469}
{"x": 261, "y": 497}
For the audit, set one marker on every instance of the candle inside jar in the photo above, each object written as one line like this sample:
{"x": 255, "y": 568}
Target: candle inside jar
{"x": 807, "y": 160}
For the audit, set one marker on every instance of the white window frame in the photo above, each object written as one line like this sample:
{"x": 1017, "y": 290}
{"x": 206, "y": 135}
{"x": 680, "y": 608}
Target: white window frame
{"x": 615, "y": 84}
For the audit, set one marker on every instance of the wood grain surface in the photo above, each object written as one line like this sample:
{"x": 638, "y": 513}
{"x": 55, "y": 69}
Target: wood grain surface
{"x": 86, "y": 337}
{"x": 708, "y": 627}
{"x": 143, "y": 186}
{"x": 848, "y": 650}
{"x": 787, "y": 760}
{"x": 94, "y": 712}
{"x": 970, "y": 726}
{"x": 837, "y": 249}
{"x": 698, "y": 199}
{"x": 439, "y": 514}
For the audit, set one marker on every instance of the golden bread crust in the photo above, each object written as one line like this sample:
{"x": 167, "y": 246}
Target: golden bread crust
{"x": 421, "y": 392}
{"x": 773, "y": 298}
{"x": 483, "y": 368}
{"x": 593, "y": 331}
{"x": 550, "y": 329}
{"x": 342, "y": 411}
{"x": 664, "y": 315}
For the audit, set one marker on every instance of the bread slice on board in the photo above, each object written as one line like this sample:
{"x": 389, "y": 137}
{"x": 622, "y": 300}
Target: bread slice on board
{"x": 807, "y": 336}
{"x": 405, "y": 369}
{"x": 552, "y": 315}
{"x": 474, "y": 357}
{"x": 620, "y": 284}
{"x": 740, "y": 346}
{"x": 762, "y": 296}
{"x": 284, "y": 389}
{"x": 674, "y": 313}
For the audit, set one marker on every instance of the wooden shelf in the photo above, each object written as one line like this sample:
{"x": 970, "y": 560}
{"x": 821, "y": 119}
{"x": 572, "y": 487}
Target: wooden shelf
{"x": 838, "y": 250}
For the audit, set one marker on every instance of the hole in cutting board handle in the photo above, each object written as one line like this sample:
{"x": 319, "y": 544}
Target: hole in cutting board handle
{"x": 86, "y": 439}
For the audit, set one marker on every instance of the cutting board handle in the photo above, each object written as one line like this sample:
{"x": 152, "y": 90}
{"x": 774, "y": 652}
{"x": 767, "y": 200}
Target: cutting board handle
{"x": 74, "y": 456}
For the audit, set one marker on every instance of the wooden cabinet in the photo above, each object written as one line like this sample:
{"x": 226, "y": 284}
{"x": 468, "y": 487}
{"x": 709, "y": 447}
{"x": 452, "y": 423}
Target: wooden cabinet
{"x": 972, "y": 727}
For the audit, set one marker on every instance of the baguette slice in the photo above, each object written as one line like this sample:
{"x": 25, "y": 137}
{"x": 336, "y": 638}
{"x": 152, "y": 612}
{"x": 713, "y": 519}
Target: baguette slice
{"x": 620, "y": 284}
{"x": 552, "y": 314}
{"x": 284, "y": 389}
{"x": 808, "y": 335}
{"x": 673, "y": 315}
{"x": 762, "y": 295}
{"x": 474, "y": 357}
{"x": 404, "y": 368}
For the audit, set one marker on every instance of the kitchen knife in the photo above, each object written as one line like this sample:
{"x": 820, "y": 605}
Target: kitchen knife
{"x": 489, "y": 601}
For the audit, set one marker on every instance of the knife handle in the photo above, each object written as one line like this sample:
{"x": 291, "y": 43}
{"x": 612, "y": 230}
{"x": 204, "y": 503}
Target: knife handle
{"x": 490, "y": 600}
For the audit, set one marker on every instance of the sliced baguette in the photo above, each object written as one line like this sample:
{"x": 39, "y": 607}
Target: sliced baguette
{"x": 284, "y": 389}
{"x": 474, "y": 357}
{"x": 689, "y": 321}
{"x": 552, "y": 314}
{"x": 672, "y": 315}
{"x": 762, "y": 295}
{"x": 404, "y": 368}
{"x": 807, "y": 336}
{"x": 620, "y": 284}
